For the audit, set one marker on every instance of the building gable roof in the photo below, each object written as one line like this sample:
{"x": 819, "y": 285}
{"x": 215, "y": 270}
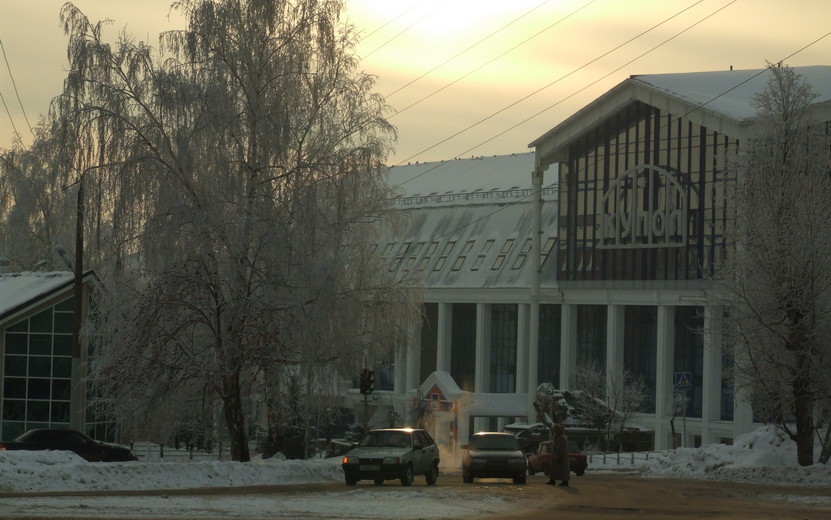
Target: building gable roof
{"x": 719, "y": 100}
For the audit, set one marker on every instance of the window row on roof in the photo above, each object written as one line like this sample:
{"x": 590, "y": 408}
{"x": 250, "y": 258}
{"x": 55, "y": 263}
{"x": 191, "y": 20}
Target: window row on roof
{"x": 416, "y": 256}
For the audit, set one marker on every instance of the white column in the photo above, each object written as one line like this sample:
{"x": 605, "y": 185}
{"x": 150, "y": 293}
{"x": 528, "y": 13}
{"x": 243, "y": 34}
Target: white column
{"x": 614, "y": 346}
{"x": 443, "y": 337}
{"x": 568, "y": 346}
{"x": 711, "y": 390}
{"x": 664, "y": 374}
{"x": 399, "y": 375}
{"x": 483, "y": 351}
{"x": 411, "y": 359}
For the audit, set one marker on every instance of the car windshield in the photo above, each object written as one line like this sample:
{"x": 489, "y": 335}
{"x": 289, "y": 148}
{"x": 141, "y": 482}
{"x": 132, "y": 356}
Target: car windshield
{"x": 493, "y": 442}
{"x": 386, "y": 439}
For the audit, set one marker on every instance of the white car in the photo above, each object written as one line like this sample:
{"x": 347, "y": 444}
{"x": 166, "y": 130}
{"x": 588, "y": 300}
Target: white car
{"x": 390, "y": 454}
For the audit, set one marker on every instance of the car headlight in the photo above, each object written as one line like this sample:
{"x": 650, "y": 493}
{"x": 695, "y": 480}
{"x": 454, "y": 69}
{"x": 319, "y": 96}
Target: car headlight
{"x": 350, "y": 460}
{"x": 477, "y": 460}
{"x": 392, "y": 460}
{"x": 517, "y": 461}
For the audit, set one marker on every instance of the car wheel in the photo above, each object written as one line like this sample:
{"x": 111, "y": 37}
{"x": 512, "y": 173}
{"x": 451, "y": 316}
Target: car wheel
{"x": 467, "y": 477}
{"x": 351, "y": 481}
{"x": 519, "y": 479}
{"x": 407, "y": 476}
{"x": 580, "y": 473}
{"x": 432, "y": 475}
{"x": 545, "y": 469}
{"x": 379, "y": 481}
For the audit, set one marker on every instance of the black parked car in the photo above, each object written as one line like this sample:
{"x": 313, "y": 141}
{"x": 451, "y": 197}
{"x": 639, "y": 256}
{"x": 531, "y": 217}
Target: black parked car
{"x": 493, "y": 454}
{"x": 69, "y": 440}
{"x": 392, "y": 453}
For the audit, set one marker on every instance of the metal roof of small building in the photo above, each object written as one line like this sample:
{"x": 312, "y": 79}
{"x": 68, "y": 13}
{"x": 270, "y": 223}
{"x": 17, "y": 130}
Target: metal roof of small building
{"x": 19, "y": 289}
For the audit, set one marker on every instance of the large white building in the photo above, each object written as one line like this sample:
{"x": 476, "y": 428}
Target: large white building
{"x": 631, "y": 202}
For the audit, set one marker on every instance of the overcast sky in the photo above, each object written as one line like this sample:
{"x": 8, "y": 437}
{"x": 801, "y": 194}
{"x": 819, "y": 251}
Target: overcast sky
{"x": 496, "y": 74}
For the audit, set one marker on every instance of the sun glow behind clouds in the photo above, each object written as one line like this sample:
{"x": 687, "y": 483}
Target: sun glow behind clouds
{"x": 460, "y": 35}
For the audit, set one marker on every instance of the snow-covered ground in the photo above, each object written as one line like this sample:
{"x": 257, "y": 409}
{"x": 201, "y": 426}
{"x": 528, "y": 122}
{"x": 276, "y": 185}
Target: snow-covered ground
{"x": 764, "y": 456}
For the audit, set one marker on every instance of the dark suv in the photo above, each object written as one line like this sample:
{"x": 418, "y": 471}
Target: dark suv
{"x": 392, "y": 453}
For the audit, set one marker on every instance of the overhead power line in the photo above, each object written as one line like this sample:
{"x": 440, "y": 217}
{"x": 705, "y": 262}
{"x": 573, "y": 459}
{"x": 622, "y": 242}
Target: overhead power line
{"x": 402, "y": 32}
{"x": 480, "y": 67}
{"x": 633, "y": 60}
{"x": 11, "y": 120}
{"x": 494, "y": 33}
{"x": 511, "y": 105}
{"x": 14, "y": 85}
{"x": 391, "y": 20}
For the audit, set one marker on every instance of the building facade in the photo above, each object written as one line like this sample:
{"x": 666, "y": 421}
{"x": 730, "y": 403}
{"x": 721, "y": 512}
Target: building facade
{"x": 597, "y": 248}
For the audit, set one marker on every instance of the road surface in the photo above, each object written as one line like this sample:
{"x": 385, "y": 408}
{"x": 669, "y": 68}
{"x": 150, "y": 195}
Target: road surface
{"x": 596, "y": 496}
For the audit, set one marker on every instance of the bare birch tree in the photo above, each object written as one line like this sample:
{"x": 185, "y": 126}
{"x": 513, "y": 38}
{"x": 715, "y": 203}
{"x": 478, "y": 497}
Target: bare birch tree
{"x": 778, "y": 280}
{"x": 243, "y": 161}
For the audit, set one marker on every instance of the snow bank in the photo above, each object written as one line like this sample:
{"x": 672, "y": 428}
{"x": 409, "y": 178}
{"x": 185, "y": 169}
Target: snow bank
{"x": 764, "y": 455}
{"x": 65, "y": 471}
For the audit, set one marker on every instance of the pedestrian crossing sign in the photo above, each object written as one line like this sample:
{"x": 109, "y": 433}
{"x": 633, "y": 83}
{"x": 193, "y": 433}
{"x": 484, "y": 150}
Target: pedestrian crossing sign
{"x": 683, "y": 379}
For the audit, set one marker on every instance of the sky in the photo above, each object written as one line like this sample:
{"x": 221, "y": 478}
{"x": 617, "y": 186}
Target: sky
{"x": 466, "y": 77}
{"x": 765, "y": 455}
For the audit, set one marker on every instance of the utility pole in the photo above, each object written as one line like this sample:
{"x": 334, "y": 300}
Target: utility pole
{"x": 76, "y": 419}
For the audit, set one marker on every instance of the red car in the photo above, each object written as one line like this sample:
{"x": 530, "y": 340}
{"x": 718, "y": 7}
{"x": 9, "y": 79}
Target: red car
{"x": 540, "y": 460}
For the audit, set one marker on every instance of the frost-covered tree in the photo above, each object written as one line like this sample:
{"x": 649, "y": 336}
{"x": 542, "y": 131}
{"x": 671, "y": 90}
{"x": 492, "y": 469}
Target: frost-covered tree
{"x": 35, "y": 211}
{"x": 242, "y": 162}
{"x": 777, "y": 283}
{"x": 607, "y": 403}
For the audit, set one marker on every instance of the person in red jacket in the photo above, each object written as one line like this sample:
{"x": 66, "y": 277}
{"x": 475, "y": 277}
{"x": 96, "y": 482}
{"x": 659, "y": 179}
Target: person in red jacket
{"x": 559, "y": 469}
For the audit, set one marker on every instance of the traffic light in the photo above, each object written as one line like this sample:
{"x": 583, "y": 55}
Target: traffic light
{"x": 367, "y": 381}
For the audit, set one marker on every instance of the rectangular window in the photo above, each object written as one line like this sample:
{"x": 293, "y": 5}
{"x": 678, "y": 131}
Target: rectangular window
{"x": 482, "y": 254}
{"x": 500, "y": 258}
{"x": 689, "y": 353}
{"x": 41, "y": 322}
{"x": 448, "y": 248}
{"x": 17, "y": 343}
{"x": 428, "y": 254}
{"x": 548, "y": 353}
{"x": 503, "y": 348}
{"x": 34, "y": 357}
{"x": 640, "y": 348}
{"x": 400, "y": 256}
{"x": 591, "y": 335}
{"x": 460, "y": 260}
{"x": 413, "y": 255}
{"x": 523, "y": 254}
{"x": 463, "y": 346}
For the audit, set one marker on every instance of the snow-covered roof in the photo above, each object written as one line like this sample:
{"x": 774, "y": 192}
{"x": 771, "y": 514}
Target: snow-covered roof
{"x": 459, "y": 181}
{"x": 20, "y": 289}
{"x": 468, "y": 245}
{"x": 730, "y": 93}
{"x": 469, "y": 222}
{"x": 719, "y": 100}
{"x": 445, "y": 383}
